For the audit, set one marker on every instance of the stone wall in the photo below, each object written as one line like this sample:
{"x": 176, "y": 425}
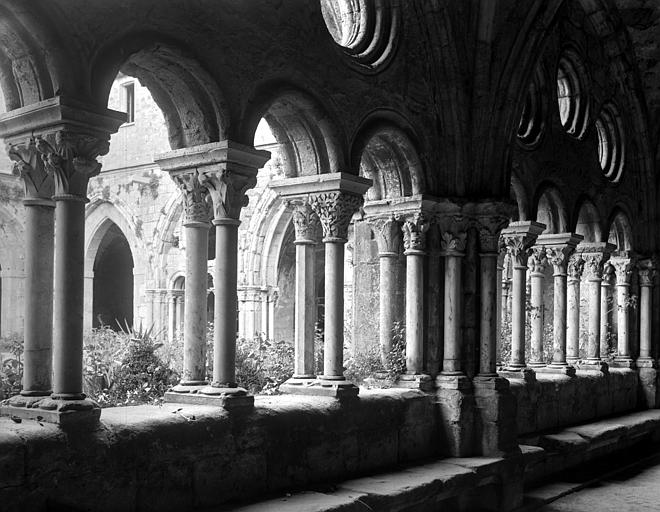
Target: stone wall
{"x": 554, "y": 400}
{"x": 171, "y": 458}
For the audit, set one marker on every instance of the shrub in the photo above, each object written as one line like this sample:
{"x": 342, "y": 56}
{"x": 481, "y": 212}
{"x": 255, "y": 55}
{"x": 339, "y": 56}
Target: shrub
{"x": 11, "y": 368}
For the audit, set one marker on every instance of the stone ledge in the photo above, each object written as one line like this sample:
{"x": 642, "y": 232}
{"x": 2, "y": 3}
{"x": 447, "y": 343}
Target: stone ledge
{"x": 546, "y": 454}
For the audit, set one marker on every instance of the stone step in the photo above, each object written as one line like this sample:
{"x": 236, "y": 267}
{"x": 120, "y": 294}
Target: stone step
{"x": 449, "y": 482}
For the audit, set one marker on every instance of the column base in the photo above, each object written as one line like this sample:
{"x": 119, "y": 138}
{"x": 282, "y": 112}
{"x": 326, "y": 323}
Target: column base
{"x": 646, "y": 362}
{"x": 495, "y": 417}
{"x": 593, "y": 365}
{"x": 415, "y": 381}
{"x": 189, "y": 387}
{"x": 335, "y": 388}
{"x": 455, "y": 401}
{"x": 562, "y": 369}
{"x": 623, "y": 362}
{"x": 65, "y": 413}
{"x": 537, "y": 364}
{"x": 526, "y": 374}
{"x": 649, "y": 380}
{"x": 229, "y": 398}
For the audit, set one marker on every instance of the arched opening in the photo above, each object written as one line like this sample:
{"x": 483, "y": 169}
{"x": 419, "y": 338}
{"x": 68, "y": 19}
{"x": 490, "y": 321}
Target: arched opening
{"x": 550, "y": 210}
{"x": 620, "y": 233}
{"x": 113, "y": 281}
{"x": 588, "y": 222}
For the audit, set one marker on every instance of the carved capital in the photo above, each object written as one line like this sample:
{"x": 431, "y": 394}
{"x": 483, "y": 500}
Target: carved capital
{"x": 537, "y": 260}
{"x": 593, "y": 265}
{"x": 646, "y": 271}
{"x": 228, "y": 192}
{"x": 195, "y": 198}
{"x": 609, "y": 274}
{"x": 518, "y": 247}
{"x": 453, "y": 243}
{"x": 387, "y": 231}
{"x": 335, "y": 211}
{"x": 490, "y": 229}
{"x": 558, "y": 257}
{"x": 575, "y": 267}
{"x": 414, "y": 233}
{"x": 29, "y": 165}
{"x": 623, "y": 268}
{"x": 305, "y": 222}
{"x": 70, "y": 158}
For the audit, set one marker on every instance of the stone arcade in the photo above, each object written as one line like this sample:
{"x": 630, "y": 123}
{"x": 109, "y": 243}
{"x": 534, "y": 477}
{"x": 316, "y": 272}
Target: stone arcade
{"x": 481, "y": 171}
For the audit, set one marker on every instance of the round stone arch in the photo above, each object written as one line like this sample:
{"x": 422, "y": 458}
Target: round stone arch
{"x": 101, "y": 216}
{"x": 191, "y": 101}
{"x": 165, "y": 240}
{"x": 519, "y": 196}
{"x": 309, "y": 137}
{"x": 384, "y": 149}
{"x": 588, "y": 220}
{"x": 550, "y": 209}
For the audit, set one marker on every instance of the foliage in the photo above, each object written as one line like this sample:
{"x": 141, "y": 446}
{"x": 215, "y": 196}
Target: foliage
{"x": 262, "y": 365}
{"x": 11, "y": 368}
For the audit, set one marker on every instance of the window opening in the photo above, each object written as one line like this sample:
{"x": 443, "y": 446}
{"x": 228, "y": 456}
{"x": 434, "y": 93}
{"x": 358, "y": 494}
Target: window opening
{"x": 129, "y": 101}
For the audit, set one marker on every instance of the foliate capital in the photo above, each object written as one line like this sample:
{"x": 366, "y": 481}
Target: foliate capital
{"x": 537, "y": 260}
{"x": 414, "y": 233}
{"x": 29, "y": 165}
{"x": 575, "y": 266}
{"x": 490, "y": 229}
{"x": 70, "y": 158}
{"x": 518, "y": 247}
{"x": 305, "y": 222}
{"x": 593, "y": 265}
{"x": 335, "y": 211}
{"x": 623, "y": 268}
{"x": 195, "y": 198}
{"x": 646, "y": 272}
{"x": 227, "y": 190}
{"x": 609, "y": 274}
{"x": 388, "y": 234}
{"x": 559, "y": 257}
{"x": 453, "y": 243}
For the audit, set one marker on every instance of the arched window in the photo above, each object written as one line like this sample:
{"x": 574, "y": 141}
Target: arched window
{"x": 572, "y": 97}
{"x": 532, "y": 119}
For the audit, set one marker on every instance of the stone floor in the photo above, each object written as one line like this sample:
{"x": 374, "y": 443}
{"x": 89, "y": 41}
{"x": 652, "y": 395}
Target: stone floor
{"x": 634, "y": 486}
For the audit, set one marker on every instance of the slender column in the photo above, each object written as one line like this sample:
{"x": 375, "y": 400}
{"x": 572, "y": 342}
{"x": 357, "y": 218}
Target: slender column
{"x": 39, "y": 249}
{"x": 171, "y": 316}
{"x": 491, "y": 298}
{"x": 414, "y": 240}
{"x": 575, "y": 270}
{"x": 264, "y": 314}
{"x": 306, "y": 225}
{"x": 519, "y": 237}
{"x": 388, "y": 238}
{"x": 272, "y": 302}
{"x": 594, "y": 255}
{"x": 623, "y": 267}
{"x": 453, "y": 250}
{"x": 179, "y": 314}
{"x": 196, "y": 224}
{"x": 536, "y": 264}
{"x": 645, "y": 272}
{"x": 501, "y": 307}
{"x": 228, "y": 189}
{"x": 335, "y": 210}
{"x": 605, "y": 303}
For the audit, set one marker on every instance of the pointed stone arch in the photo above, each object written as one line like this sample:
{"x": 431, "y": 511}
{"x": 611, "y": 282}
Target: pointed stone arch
{"x": 550, "y": 209}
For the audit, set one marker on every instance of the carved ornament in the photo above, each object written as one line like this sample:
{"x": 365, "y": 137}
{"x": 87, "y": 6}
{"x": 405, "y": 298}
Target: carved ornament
{"x": 388, "y": 234}
{"x": 537, "y": 260}
{"x": 29, "y": 165}
{"x": 414, "y": 233}
{"x": 228, "y": 192}
{"x": 623, "y": 268}
{"x": 195, "y": 198}
{"x": 305, "y": 222}
{"x": 335, "y": 211}
{"x": 575, "y": 267}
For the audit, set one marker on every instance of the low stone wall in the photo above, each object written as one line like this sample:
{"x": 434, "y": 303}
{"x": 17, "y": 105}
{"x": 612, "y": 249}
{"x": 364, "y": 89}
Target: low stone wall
{"x": 183, "y": 457}
{"x": 553, "y": 400}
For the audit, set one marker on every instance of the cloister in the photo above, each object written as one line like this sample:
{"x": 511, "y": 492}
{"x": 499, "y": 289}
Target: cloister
{"x": 483, "y": 172}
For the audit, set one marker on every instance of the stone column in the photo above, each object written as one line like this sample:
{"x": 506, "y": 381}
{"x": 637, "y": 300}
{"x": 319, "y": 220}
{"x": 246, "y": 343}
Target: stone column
{"x": 594, "y": 255}
{"x": 272, "y": 302}
{"x": 623, "y": 267}
{"x": 518, "y": 238}
{"x": 306, "y": 225}
{"x": 574, "y": 271}
{"x": 171, "y": 317}
{"x": 196, "y": 225}
{"x": 605, "y": 302}
{"x": 645, "y": 273}
{"x": 414, "y": 241}
{"x": 559, "y": 248}
{"x": 39, "y": 250}
{"x": 536, "y": 265}
{"x": 335, "y": 210}
{"x": 387, "y": 231}
{"x": 179, "y": 298}
{"x": 453, "y": 250}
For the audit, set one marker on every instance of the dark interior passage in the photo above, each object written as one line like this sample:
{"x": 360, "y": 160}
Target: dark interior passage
{"x": 113, "y": 281}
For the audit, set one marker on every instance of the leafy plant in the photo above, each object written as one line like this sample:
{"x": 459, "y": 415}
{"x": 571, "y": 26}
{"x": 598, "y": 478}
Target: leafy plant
{"x": 11, "y": 368}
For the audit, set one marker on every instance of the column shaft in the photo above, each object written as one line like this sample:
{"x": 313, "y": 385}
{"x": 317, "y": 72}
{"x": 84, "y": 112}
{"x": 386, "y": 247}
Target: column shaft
{"x": 490, "y": 278}
{"x": 68, "y": 297}
{"x": 536, "y": 300}
{"x": 38, "y": 333}
{"x": 452, "y": 312}
{"x": 518, "y": 317}
{"x": 414, "y": 312}
{"x": 226, "y": 279}
{"x": 573, "y": 321}
{"x": 623, "y": 339}
{"x": 645, "y": 316}
{"x": 334, "y": 310}
{"x": 593, "y": 340}
{"x": 194, "y": 325}
{"x": 559, "y": 320}
{"x": 171, "y": 321}
{"x": 605, "y": 294}
{"x": 305, "y": 311}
